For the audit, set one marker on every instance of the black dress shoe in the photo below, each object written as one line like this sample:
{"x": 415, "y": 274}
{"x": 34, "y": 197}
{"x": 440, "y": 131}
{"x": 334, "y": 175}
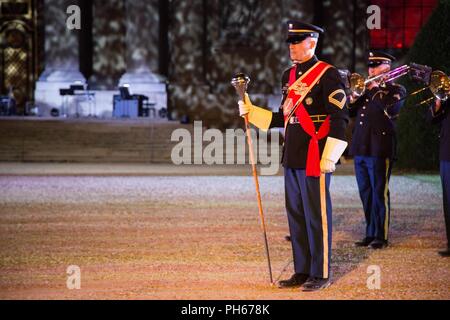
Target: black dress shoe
{"x": 316, "y": 284}
{"x": 287, "y": 238}
{"x": 445, "y": 253}
{"x": 296, "y": 280}
{"x": 364, "y": 242}
{"x": 378, "y": 244}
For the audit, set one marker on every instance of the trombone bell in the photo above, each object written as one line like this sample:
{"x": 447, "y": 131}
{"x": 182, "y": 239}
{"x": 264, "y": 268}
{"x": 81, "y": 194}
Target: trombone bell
{"x": 440, "y": 85}
{"x": 357, "y": 84}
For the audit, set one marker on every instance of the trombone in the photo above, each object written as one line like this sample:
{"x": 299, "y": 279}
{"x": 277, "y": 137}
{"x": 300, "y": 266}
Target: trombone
{"x": 437, "y": 81}
{"x": 439, "y": 86}
{"x": 358, "y": 83}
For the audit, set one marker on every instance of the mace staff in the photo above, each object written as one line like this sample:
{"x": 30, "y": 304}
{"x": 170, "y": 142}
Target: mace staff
{"x": 240, "y": 82}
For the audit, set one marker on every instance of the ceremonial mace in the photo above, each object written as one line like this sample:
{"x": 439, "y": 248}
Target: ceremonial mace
{"x": 240, "y": 82}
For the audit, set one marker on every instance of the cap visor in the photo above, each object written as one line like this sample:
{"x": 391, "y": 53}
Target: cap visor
{"x": 291, "y": 39}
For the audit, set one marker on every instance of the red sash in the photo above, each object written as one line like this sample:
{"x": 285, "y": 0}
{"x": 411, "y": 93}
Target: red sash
{"x": 313, "y": 159}
{"x": 293, "y": 105}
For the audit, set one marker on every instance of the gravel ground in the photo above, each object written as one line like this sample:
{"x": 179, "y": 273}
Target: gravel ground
{"x": 198, "y": 237}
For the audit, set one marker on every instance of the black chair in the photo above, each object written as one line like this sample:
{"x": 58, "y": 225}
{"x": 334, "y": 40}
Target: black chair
{"x": 141, "y": 99}
{"x": 125, "y": 93}
{"x": 147, "y": 107}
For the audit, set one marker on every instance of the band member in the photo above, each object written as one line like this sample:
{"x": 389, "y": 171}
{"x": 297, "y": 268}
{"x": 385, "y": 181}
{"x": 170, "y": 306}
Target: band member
{"x": 314, "y": 115}
{"x": 374, "y": 148}
{"x": 440, "y": 114}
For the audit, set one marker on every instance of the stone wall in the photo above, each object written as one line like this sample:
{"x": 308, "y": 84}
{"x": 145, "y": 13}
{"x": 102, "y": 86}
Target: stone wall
{"x": 61, "y": 44}
{"x": 247, "y": 36}
{"x": 109, "y": 30}
{"x": 209, "y": 41}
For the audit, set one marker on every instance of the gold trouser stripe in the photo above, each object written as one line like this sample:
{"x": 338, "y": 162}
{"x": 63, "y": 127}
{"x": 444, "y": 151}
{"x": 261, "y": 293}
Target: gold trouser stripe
{"x": 386, "y": 189}
{"x": 323, "y": 209}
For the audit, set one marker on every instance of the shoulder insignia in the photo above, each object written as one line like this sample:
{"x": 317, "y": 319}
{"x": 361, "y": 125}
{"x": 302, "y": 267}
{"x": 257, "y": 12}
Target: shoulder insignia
{"x": 334, "y": 98}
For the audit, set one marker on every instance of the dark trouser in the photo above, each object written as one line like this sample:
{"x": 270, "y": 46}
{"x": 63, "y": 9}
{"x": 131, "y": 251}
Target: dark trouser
{"x": 372, "y": 176}
{"x": 445, "y": 178}
{"x": 308, "y": 206}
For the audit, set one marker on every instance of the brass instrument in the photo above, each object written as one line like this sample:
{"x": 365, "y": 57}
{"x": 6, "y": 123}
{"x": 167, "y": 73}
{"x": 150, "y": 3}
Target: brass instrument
{"x": 436, "y": 81}
{"x": 439, "y": 86}
{"x": 358, "y": 83}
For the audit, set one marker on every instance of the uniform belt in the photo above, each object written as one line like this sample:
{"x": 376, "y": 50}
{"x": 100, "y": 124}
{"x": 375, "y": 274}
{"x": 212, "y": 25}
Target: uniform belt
{"x": 315, "y": 118}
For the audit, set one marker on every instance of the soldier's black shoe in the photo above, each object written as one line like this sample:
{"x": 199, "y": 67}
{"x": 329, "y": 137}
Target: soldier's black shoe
{"x": 287, "y": 238}
{"x": 316, "y": 284}
{"x": 445, "y": 253}
{"x": 296, "y": 280}
{"x": 378, "y": 244}
{"x": 364, "y": 242}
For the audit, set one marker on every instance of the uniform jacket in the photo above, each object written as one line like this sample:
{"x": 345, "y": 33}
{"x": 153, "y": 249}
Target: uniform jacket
{"x": 376, "y": 111}
{"x": 323, "y": 99}
{"x": 443, "y": 117}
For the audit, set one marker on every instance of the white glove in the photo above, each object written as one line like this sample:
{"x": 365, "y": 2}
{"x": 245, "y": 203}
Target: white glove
{"x": 327, "y": 166}
{"x": 334, "y": 148}
{"x": 245, "y": 107}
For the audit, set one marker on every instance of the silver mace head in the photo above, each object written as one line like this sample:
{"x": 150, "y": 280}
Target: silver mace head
{"x": 240, "y": 82}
